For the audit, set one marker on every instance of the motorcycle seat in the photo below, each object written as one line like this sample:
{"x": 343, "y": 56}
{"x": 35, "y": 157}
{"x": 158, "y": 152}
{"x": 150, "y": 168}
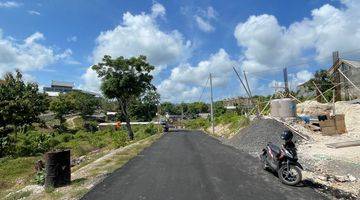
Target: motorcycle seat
{"x": 275, "y": 149}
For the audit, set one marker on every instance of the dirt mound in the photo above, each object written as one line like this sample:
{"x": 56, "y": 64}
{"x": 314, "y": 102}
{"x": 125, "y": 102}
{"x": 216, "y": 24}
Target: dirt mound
{"x": 313, "y": 108}
{"x": 254, "y": 138}
{"x": 352, "y": 116}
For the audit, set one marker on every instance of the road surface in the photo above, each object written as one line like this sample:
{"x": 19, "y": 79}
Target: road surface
{"x": 191, "y": 165}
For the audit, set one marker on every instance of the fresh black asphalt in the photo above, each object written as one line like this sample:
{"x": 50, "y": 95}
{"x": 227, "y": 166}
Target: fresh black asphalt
{"x": 191, "y": 165}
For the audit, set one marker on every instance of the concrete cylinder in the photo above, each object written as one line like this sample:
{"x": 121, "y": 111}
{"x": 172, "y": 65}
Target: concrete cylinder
{"x": 284, "y": 108}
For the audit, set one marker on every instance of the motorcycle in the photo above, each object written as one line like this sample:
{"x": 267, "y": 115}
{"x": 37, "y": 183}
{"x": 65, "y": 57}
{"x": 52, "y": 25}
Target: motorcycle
{"x": 286, "y": 165}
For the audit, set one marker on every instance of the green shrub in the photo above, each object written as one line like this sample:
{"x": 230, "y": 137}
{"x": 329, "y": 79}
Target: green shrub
{"x": 197, "y": 123}
{"x": 40, "y": 177}
{"x": 33, "y": 143}
{"x": 119, "y": 138}
{"x": 91, "y": 126}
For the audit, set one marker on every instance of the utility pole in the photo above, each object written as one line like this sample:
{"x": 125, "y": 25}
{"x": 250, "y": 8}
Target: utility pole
{"x": 211, "y": 105}
{"x": 287, "y": 91}
{"x": 182, "y": 115}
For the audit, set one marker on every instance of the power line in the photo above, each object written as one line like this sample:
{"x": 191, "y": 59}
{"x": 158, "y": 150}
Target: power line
{"x": 207, "y": 80}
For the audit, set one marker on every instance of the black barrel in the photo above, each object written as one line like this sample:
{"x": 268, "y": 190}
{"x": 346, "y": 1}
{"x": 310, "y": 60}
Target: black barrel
{"x": 57, "y": 167}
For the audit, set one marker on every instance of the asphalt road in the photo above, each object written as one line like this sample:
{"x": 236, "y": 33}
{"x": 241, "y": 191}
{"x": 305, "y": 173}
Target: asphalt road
{"x": 192, "y": 165}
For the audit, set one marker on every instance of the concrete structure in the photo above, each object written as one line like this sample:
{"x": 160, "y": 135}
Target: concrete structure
{"x": 232, "y": 103}
{"x": 351, "y": 69}
{"x": 60, "y": 87}
{"x": 284, "y": 108}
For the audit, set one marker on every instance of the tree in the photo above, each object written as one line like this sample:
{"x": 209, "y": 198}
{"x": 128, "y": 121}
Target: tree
{"x": 20, "y": 102}
{"x": 125, "y": 80}
{"x": 145, "y": 108}
{"x": 61, "y": 106}
{"x": 323, "y": 82}
{"x": 197, "y": 107}
{"x": 83, "y": 103}
{"x": 170, "y": 108}
{"x": 219, "y": 108}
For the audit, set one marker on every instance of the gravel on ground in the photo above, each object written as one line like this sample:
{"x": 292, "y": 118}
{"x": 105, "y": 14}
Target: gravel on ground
{"x": 258, "y": 134}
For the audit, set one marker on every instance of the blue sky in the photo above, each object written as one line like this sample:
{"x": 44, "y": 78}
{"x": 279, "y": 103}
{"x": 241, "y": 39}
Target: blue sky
{"x": 185, "y": 40}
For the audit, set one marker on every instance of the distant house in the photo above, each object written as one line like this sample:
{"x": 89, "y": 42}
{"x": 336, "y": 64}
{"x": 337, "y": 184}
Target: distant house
{"x": 351, "y": 69}
{"x": 233, "y": 103}
{"x": 58, "y": 87}
{"x": 204, "y": 115}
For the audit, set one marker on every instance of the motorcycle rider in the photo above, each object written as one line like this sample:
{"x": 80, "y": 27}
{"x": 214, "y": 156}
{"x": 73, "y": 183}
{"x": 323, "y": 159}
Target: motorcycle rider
{"x": 289, "y": 144}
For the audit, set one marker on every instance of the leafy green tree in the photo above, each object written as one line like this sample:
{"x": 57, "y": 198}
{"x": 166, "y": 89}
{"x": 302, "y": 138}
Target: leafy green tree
{"x": 20, "y": 102}
{"x": 170, "y": 108}
{"x": 145, "y": 108}
{"x": 61, "y": 106}
{"x": 323, "y": 82}
{"x": 125, "y": 80}
{"x": 219, "y": 108}
{"x": 83, "y": 103}
{"x": 197, "y": 107}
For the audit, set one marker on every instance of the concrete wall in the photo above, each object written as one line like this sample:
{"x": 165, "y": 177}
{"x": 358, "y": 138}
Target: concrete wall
{"x": 347, "y": 90}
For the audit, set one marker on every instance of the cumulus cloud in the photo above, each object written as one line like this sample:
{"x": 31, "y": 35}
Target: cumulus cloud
{"x": 186, "y": 81}
{"x": 204, "y": 17}
{"x": 140, "y": 35}
{"x": 27, "y": 55}
{"x": 267, "y": 44}
{"x": 9, "y": 4}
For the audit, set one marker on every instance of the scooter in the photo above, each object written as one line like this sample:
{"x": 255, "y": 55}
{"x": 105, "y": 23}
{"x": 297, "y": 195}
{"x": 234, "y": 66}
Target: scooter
{"x": 282, "y": 161}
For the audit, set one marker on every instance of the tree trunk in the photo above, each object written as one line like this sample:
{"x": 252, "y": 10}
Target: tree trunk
{"x": 123, "y": 107}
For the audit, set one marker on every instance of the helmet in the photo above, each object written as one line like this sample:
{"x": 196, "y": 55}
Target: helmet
{"x": 287, "y": 135}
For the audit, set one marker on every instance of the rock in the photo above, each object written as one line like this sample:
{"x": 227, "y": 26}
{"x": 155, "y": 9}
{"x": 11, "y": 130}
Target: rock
{"x": 323, "y": 177}
{"x": 341, "y": 178}
{"x": 351, "y": 178}
{"x": 77, "y": 161}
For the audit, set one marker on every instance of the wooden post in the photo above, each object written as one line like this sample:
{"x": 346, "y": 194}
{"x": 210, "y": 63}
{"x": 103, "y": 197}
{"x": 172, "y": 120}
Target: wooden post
{"x": 320, "y": 92}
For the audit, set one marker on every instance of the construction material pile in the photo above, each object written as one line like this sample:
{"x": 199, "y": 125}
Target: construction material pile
{"x": 350, "y": 110}
{"x": 255, "y": 137}
{"x": 313, "y": 108}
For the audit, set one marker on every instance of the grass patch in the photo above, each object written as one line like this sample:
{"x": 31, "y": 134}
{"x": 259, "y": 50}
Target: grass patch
{"x": 18, "y": 195}
{"x": 18, "y": 171}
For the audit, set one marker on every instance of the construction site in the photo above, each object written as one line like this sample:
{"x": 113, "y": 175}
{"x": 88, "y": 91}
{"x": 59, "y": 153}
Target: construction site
{"x": 327, "y": 128}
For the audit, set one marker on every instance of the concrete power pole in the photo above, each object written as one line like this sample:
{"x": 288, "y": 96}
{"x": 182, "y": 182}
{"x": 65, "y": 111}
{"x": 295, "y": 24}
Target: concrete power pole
{"x": 211, "y": 106}
{"x": 287, "y": 91}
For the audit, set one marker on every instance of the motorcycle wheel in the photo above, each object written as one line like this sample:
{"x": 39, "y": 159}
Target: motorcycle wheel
{"x": 290, "y": 177}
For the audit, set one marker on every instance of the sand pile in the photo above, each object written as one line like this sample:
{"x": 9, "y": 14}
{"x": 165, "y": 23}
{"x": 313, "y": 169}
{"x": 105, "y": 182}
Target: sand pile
{"x": 313, "y": 108}
{"x": 352, "y": 116}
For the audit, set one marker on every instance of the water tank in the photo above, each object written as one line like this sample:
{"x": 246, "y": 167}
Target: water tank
{"x": 284, "y": 108}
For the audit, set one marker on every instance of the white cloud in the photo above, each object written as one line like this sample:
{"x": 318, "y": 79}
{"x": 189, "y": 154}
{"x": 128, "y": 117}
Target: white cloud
{"x": 27, "y": 55}
{"x": 295, "y": 79}
{"x": 203, "y": 24}
{"x": 33, "y": 12}
{"x": 267, "y": 44}
{"x": 10, "y": 4}
{"x": 158, "y": 10}
{"x": 71, "y": 39}
{"x": 204, "y": 17}
{"x": 140, "y": 35}
{"x": 186, "y": 81}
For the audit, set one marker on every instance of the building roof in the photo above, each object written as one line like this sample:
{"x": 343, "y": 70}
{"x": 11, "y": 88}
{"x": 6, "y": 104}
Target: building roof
{"x": 62, "y": 84}
{"x": 335, "y": 66}
{"x": 353, "y": 63}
